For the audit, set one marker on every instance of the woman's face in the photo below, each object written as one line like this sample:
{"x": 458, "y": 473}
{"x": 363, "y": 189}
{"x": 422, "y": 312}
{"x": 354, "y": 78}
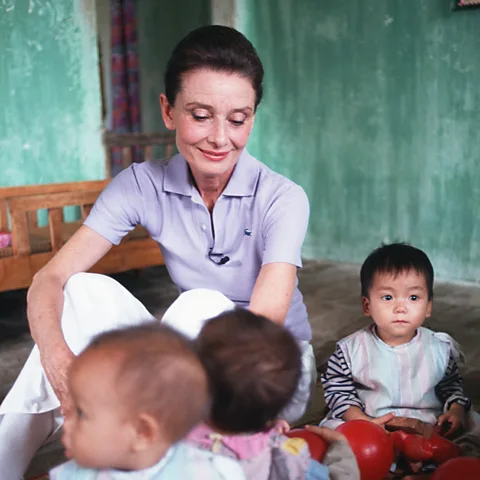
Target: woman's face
{"x": 213, "y": 117}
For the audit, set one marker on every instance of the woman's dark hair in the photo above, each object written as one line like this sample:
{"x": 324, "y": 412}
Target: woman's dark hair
{"x": 396, "y": 258}
{"x": 254, "y": 366}
{"x": 214, "y": 47}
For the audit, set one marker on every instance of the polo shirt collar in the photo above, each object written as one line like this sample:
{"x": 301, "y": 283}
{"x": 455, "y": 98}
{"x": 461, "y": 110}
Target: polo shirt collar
{"x": 242, "y": 183}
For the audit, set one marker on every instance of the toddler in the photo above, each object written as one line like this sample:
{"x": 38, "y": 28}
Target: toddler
{"x": 254, "y": 366}
{"x": 395, "y": 366}
{"x": 136, "y": 393}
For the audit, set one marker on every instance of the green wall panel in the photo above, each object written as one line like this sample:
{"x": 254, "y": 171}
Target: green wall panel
{"x": 374, "y": 107}
{"x": 50, "y": 114}
{"x": 161, "y": 25}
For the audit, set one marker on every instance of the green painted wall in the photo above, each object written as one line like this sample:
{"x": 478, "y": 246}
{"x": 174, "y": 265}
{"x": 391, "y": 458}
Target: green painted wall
{"x": 161, "y": 24}
{"x": 50, "y": 109}
{"x": 374, "y": 107}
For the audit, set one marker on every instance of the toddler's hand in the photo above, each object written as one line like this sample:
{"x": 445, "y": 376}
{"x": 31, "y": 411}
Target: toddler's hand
{"x": 455, "y": 416}
{"x": 381, "y": 421}
{"x": 327, "y": 434}
{"x": 282, "y": 426}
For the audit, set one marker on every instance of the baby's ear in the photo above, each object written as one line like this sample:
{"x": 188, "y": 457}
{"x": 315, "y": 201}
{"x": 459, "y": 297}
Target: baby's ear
{"x": 146, "y": 431}
{"x": 366, "y": 306}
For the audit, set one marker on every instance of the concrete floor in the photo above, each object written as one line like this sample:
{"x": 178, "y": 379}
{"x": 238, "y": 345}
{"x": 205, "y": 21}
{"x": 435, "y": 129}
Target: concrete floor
{"x": 331, "y": 293}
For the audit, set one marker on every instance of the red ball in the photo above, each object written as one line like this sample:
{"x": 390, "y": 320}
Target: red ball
{"x": 372, "y": 446}
{"x": 443, "y": 449}
{"x": 317, "y": 445}
{"x": 464, "y": 468}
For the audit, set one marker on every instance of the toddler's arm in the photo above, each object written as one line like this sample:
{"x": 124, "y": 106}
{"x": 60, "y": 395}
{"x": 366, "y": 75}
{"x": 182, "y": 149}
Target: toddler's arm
{"x": 450, "y": 388}
{"x": 450, "y": 392}
{"x": 339, "y": 389}
{"x": 339, "y": 458}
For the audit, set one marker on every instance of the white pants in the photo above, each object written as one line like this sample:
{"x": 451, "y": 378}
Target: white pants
{"x": 93, "y": 304}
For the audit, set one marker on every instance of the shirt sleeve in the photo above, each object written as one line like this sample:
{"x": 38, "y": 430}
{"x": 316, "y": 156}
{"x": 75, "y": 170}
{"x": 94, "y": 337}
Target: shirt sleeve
{"x": 119, "y": 208}
{"x": 338, "y": 386}
{"x": 285, "y": 226}
{"x": 450, "y": 388}
{"x": 341, "y": 462}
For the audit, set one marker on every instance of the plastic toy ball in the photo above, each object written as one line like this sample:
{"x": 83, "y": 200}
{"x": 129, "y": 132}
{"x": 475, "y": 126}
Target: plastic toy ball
{"x": 372, "y": 446}
{"x": 464, "y": 468}
{"x": 317, "y": 445}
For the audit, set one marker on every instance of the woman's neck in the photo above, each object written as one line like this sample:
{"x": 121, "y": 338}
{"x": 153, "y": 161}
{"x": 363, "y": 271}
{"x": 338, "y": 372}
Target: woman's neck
{"x": 211, "y": 187}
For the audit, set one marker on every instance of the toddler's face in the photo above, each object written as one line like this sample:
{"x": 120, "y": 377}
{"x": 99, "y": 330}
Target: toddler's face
{"x": 99, "y": 434}
{"x": 398, "y": 304}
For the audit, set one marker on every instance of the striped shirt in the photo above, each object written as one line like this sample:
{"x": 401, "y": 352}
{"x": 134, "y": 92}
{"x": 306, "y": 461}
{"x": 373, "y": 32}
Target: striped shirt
{"x": 342, "y": 387}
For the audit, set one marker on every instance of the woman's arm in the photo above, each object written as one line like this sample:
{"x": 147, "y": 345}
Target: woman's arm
{"x": 273, "y": 291}
{"x": 284, "y": 228}
{"x": 45, "y": 303}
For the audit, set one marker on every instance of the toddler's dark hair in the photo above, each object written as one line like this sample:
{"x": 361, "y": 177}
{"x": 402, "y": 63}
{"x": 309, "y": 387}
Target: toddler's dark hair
{"x": 254, "y": 366}
{"x": 395, "y": 258}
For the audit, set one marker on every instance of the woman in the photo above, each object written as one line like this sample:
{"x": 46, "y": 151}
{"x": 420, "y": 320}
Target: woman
{"x": 223, "y": 220}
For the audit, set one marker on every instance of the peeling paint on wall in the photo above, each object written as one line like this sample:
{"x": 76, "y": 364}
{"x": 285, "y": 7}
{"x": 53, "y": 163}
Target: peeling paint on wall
{"x": 50, "y": 115}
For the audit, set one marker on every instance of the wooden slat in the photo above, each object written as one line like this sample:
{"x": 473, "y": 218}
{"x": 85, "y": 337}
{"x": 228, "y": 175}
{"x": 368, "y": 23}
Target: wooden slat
{"x": 148, "y": 153}
{"x": 3, "y": 216}
{"x": 64, "y": 199}
{"x": 53, "y": 188}
{"x": 20, "y": 238}
{"x": 18, "y": 272}
{"x": 85, "y": 209}
{"x": 32, "y": 219}
{"x": 112, "y": 139}
{"x": 55, "y": 220}
{"x": 126, "y": 156}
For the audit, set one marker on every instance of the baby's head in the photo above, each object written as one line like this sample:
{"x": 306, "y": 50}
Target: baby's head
{"x": 397, "y": 291}
{"x": 136, "y": 391}
{"x": 254, "y": 366}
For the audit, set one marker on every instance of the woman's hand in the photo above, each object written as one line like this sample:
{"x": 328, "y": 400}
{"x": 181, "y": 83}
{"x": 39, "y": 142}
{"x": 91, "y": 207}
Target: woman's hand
{"x": 45, "y": 305}
{"x": 56, "y": 366}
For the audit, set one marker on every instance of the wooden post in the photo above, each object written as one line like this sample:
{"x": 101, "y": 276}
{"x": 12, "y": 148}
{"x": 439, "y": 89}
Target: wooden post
{"x": 148, "y": 153}
{"x": 55, "y": 220}
{"x": 126, "y": 157}
{"x": 3, "y": 215}
{"x": 20, "y": 238}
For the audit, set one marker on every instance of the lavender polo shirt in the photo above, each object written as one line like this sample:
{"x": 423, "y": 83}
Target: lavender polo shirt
{"x": 261, "y": 217}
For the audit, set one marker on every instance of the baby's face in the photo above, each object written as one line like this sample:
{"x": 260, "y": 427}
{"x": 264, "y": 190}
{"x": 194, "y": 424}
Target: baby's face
{"x": 99, "y": 434}
{"x": 398, "y": 304}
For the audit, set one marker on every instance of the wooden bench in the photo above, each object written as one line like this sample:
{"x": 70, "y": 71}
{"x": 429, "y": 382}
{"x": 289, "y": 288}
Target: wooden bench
{"x": 33, "y": 246}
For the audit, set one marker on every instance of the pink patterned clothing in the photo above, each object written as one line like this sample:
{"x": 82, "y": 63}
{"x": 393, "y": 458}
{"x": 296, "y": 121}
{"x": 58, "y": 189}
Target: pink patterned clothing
{"x": 273, "y": 456}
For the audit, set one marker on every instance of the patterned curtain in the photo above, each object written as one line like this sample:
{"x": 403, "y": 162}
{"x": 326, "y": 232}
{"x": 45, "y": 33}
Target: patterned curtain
{"x": 125, "y": 76}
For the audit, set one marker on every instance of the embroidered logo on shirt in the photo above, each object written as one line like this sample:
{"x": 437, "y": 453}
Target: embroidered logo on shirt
{"x": 247, "y": 232}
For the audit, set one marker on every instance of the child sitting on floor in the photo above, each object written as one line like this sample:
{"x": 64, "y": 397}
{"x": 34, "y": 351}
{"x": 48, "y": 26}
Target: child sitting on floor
{"x": 137, "y": 392}
{"x": 395, "y": 366}
{"x": 254, "y": 366}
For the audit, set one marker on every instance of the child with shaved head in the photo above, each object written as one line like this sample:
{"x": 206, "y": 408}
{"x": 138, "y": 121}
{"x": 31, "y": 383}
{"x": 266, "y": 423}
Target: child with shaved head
{"x": 137, "y": 393}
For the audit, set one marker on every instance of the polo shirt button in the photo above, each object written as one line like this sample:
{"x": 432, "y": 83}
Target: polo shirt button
{"x": 204, "y": 227}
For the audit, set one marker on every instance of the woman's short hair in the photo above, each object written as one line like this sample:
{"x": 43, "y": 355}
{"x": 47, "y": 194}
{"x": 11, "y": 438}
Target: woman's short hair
{"x": 218, "y": 48}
